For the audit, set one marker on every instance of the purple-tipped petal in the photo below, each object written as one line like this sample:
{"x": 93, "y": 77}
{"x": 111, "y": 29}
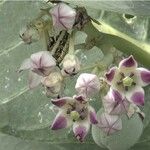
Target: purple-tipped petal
{"x": 25, "y": 65}
{"x": 110, "y": 74}
{"x": 59, "y": 102}
{"x": 143, "y": 76}
{"x": 92, "y": 115}
{"x": 59, "y": 122}
{"x": 81, "y": 129}
{"x": 128, "y": 63}
{"x": 80, "y": 98}
{"x": 34, "y": 80}
{"x": 87, "y": 84}
{"x": 136, "y": 96}
{"x": 109, "y": 123}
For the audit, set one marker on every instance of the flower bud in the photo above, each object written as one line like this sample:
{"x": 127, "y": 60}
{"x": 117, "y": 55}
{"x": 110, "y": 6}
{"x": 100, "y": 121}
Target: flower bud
{"x": 29, "y": 35}
{"x": 53, "y": 83}
{"x": 87, "y": 84}
{"x": 71, "y": 65}
{"x": 63, "y": 16}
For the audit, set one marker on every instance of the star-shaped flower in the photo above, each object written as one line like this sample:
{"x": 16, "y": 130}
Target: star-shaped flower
{"x": 129, "y": 80}
{"x": 74, "y": 111}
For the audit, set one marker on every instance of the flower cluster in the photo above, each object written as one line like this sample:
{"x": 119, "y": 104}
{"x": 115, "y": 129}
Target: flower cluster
{"x": 76, "y": 110}
{"x": 43, "y": 70}
{"x": 126, "y": 82}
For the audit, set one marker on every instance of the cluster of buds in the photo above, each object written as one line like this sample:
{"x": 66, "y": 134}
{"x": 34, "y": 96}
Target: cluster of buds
{"x": 43, "y": 70}
{"x": 76, "y": 110}
{"x": 125, "y": 95}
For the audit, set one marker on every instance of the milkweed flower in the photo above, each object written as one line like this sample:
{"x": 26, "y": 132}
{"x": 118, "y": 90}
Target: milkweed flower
{"x": 40, "y": 65}
{"x": 87, "y": 84}
{"x": 129, "y": 80}
{"x": 74, "y": 111}
{"x": 63, "y": 16}
{"x": 70, "y": 65}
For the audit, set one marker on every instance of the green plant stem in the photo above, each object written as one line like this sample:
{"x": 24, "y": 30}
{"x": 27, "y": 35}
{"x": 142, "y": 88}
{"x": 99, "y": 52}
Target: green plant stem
{"x": 71, "y": 43}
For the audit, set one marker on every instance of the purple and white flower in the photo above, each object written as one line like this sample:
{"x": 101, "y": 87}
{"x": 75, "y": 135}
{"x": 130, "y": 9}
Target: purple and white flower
{"x": 40, "y": 65}
{"x": 63, "y": 16}
{"x": 129, "y": 80}
{"x": 70, "y": 65}
{"x": 87, "y": 84}
{"x": 74, "y": 111}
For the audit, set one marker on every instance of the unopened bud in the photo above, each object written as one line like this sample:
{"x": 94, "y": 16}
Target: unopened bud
{"x": 29, "y": 35}
{"x": 71, "y": 65}
{"x": 53, "y": 83}
{"x": 63, "y": 16}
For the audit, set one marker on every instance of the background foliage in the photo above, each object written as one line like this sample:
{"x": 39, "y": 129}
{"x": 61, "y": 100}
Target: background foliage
{"x": 25, "y": 115}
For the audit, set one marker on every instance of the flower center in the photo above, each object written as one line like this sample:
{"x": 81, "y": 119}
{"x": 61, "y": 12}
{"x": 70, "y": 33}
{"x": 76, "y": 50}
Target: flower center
{"x": 127, "y": 81}
{"x": 74, "y": 115}
{"x": 77, "y": 111}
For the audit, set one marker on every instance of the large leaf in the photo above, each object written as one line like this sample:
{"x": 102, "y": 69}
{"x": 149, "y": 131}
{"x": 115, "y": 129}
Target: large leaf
{"x": 12, "y": 143}
{"x": 134, "y": 7}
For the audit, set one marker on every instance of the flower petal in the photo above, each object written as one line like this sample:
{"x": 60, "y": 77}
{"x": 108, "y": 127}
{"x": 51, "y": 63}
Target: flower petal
{"x": 136, "y": 96}
{"x": 92, "y": 115}
{"x": 61, "y": 101}
{"x": 25, "y": 65}
{"x": 128, "y": 64}
{"x": 109, "y": 123}
{"x": 80, "y": 98}
{"x": 81, "y": 129}
{"x": 34, "y": 79}
{"x": 143, "y": 76}
{"x": 59, "y": 122}
{"x": 111, "y": 74}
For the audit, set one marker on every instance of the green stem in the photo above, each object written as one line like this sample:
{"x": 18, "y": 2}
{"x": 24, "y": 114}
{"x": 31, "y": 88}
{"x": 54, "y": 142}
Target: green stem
{"x": 71, "y": 43}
